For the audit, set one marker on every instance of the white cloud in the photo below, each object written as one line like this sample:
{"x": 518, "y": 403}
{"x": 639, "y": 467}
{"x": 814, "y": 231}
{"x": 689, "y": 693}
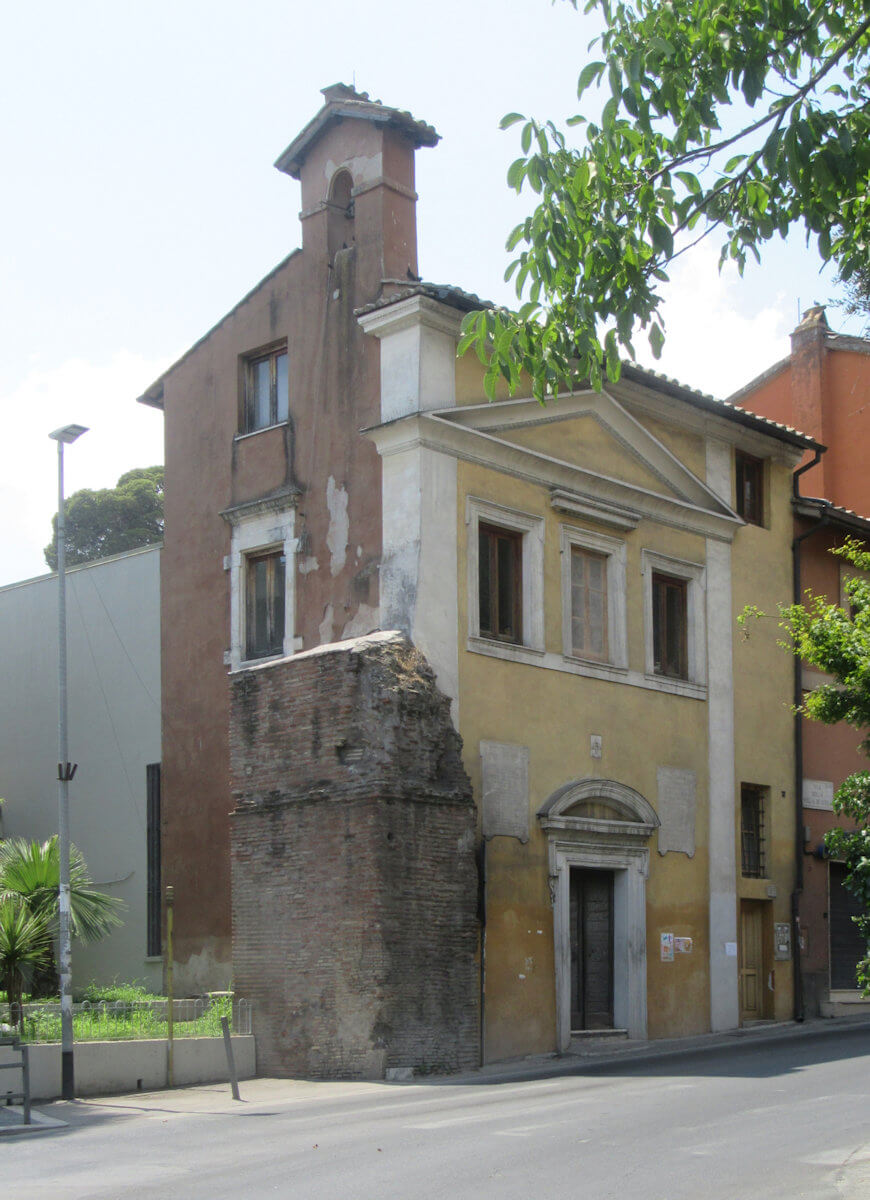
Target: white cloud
{"x": 716, "y": 340}
{"x": 122, "y": 435}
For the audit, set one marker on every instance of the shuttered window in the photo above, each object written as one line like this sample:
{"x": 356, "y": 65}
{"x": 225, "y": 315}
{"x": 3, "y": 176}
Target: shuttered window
{"x": 500, "y": 576}
{"x": 750, "y": 488}
{"x": 588, "y": 603}
{"x": 670, "y": 643}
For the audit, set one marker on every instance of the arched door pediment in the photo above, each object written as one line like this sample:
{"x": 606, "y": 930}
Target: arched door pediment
{"x": 598, "y": 806}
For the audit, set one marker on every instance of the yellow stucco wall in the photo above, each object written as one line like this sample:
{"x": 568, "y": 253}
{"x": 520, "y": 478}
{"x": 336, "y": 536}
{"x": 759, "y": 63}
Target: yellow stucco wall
{"x": 554, "y": 712}
{"x": 584, "y": 442}
{"x": 764, "y": 725}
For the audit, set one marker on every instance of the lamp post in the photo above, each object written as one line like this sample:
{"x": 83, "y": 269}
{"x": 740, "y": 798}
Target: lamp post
{"x": 65, "y": 772}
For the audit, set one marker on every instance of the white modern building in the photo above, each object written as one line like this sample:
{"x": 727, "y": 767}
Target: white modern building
{"x": 113, "y": 608}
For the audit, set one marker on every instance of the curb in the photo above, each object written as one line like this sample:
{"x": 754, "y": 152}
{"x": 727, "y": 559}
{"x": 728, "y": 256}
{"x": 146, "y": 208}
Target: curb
{"x": 554, "y": 1066}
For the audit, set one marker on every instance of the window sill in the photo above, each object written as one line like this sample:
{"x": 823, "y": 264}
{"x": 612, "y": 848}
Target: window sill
{"x": 676, "y": 687}
{"x": 594, "y": 668}
{"x": 247, "y": 664}
{"x": 507, "y": 650}
{"x": 607, "y": 672}
{"x": 241, "y": 437}
{"x": 154, "y": 958}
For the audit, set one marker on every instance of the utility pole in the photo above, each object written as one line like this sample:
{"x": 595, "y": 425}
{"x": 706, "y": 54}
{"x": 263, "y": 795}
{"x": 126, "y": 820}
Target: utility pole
{"x": 65, "y": 771}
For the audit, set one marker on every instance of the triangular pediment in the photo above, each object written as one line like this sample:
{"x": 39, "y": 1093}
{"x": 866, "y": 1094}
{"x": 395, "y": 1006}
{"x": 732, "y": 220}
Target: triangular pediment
{"x": 589, "y": 443}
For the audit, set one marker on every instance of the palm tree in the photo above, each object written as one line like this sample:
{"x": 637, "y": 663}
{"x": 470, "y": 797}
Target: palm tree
{"x": 24, "y": 943}
{"x": 30, "y": 874}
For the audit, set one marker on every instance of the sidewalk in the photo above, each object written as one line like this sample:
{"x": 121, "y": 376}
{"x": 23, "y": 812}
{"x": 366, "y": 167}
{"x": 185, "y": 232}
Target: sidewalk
{"x": 598, "y": 1055}
{"x": 215, "y": 1098}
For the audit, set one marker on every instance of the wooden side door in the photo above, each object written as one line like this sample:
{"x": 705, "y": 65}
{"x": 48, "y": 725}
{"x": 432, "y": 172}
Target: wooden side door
{"x": 751, "y": 960}
{"x": 591, "y": 912}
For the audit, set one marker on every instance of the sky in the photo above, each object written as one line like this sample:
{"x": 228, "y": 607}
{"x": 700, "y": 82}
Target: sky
{"x": 140, "y": 201}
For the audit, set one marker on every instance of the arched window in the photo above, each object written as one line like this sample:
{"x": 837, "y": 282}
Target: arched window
{"x": 340, "y": 224}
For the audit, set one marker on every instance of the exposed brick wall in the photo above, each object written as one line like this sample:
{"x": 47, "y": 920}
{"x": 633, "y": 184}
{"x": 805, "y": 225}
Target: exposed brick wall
{"x": 354, "y": 879}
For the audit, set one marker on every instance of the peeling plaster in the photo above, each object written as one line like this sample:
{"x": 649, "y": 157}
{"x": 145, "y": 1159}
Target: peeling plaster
{"x": 308, "y": 565}
{"x": 366, "y": 618}
{"x": 336, "y": 537}
{"x": 325, "y": 627}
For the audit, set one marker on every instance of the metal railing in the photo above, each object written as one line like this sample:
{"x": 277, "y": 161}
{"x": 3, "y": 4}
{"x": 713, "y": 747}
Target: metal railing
{"x": 118, "y": 1020}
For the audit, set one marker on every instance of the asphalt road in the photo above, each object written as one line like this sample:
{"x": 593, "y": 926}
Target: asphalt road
{"x": 783, "y": 1120}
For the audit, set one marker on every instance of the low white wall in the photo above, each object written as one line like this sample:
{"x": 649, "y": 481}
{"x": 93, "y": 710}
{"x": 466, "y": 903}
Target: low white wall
{"x": 102, "y": 1068}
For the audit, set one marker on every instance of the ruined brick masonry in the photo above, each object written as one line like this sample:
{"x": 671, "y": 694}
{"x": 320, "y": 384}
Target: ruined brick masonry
{"x": 354, "y": 880}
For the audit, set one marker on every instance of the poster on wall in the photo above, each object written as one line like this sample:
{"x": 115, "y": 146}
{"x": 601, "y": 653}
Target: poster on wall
{"x": 667, "y": 947}
{"x": 683, "y": 945}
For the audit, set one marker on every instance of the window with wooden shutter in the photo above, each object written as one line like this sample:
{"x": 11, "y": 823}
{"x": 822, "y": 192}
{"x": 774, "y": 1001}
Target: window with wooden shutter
{"x": 588, "y": 604}
{"x": 500, "y": 577}
{"x": 670, "y": 632}
{"x": 750, "y": 487}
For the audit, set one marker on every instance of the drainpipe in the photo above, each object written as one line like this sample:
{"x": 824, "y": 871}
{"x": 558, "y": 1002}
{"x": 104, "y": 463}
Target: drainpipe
{"x": 799, "y": 747}
{"x": 481, "y": 916}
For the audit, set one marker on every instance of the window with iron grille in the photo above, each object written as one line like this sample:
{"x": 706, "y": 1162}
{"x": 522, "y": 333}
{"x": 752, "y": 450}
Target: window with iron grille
{"x": 264, "y": 604}
{"x": 500, "y": 576}
{"x": 750, "y": 487}
{"x": 267, "y": 397}
{"x": 752, "y": 805}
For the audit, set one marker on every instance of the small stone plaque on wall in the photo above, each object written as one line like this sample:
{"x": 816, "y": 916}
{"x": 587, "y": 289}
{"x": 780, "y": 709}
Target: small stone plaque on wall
{"x": 818, "y": 793}
{"x": 505, "y": 800}
{"x": 676, "y": 808}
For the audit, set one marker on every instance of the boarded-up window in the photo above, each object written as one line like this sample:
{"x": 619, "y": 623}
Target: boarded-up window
{"x": 750, "y": 488}
{"x": 752, "y": 805}
{"x": 264, "y": 605}
{"x": 588, "y": 603}
{"x": 152, "y": 852}
{"x": 500, "y": 583}
{"x": 670, "y": 648}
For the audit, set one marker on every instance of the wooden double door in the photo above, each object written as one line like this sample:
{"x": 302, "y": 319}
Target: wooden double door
{"x": 591, "y": 913}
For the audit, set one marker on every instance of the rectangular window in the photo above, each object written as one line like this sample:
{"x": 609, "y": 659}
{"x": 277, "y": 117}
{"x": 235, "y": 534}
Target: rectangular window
{"x": 267, "y": 399}
{"x": 588, "y": 604}
{"x": 750, "y": 488}
{"x": 152, "y": 855}
{"x": 264, "y": 605}
{"x": 500, "y": 576}
{"x": 752, "y": 830}
{"x": 669, "y": 621}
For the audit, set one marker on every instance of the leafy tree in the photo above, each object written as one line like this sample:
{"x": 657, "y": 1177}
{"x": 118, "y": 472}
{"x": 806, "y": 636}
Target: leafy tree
{"x": 30, "y": 877}
{"x": 112, "y": 520}
{"x": 743, "y": 119}
{"x": 838, "y": 643}
{"x": 857, "y": 301}
{"x": 24, "y": 944}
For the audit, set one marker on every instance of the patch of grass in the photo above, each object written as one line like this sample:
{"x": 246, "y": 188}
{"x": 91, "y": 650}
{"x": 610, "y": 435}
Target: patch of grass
{"x": 122, "y": 1020}
{"x": 129, "y": 993}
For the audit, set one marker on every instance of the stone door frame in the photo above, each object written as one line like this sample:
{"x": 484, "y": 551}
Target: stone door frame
{"x": 621, "y": 846}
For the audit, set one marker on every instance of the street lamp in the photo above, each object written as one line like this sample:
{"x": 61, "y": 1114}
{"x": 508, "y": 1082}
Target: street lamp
{"x": 65, "y": 772}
